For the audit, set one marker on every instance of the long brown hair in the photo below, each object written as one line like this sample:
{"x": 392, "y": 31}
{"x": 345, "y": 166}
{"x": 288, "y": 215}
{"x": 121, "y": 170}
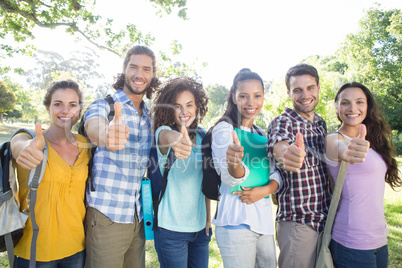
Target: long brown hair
{"x": 379, "y": 134}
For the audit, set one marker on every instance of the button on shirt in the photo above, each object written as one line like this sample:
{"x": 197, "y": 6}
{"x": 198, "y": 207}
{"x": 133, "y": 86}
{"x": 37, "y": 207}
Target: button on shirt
{"x": 117, "y": 175}
{"x": 305, "y": 195}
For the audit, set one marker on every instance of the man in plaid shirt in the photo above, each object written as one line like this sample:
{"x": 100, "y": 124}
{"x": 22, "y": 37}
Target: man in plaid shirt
{"x": 296, "y": 141}
{"x": 114, "y": 226}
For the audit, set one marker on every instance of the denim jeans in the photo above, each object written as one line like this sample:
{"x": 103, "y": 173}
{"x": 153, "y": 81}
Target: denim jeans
{"x": 344, "y": 257}
{"x": 182, "y": 250}
{"x": 74, "y": 261}
{"x": 244, "y": 248}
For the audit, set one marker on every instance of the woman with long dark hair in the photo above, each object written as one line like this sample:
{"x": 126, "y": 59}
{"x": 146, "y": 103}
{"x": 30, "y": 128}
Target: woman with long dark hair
{"x": 359, "y": 234}
{"x": 243, "y": 224}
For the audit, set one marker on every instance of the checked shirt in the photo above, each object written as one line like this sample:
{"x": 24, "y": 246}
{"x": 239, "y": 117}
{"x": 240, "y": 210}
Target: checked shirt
{"x": 117, "y": 175}
{"x": 305, "y": 195}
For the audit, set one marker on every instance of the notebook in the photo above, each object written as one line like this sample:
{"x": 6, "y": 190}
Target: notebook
{"x": 255, "y": 158}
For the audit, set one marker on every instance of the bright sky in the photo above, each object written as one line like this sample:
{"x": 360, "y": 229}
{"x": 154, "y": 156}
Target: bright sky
{"x": 264, "y": 35}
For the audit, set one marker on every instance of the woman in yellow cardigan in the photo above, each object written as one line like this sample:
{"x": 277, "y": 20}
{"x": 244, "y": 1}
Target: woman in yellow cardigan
{"x": 60, "y": 207}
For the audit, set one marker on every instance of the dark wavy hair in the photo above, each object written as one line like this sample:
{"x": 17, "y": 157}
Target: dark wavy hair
{"x": 379, "y": 134}
{"x": 139, "y": 50}
{"x": 232, "y": 114}
{"x": 63, "y": 85}
{"x": 163, "y": 111}
{"x": 301, "y": 69}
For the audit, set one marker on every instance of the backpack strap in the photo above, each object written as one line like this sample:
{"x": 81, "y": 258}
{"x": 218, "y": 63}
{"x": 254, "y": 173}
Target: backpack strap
{"x": 109, "y": 99}
{"x": 201, "y": 131}
{"x": 34, "y": 179}
{"x": 256, "y": 129}
{"x": 37, "y": 175}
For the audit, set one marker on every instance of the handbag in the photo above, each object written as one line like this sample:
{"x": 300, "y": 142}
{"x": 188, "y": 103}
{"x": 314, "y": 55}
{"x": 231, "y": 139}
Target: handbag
{"x": 324, "y": 257}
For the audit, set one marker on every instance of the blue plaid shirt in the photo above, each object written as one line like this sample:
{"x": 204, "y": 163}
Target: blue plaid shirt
{"x": 117, "y": 175}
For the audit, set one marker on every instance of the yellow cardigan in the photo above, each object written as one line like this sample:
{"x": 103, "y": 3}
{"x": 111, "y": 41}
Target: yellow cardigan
{"x": 60, "y": 207}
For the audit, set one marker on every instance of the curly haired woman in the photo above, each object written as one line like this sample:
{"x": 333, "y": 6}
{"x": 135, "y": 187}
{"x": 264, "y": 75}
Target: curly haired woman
{"x": 183, "y": 234}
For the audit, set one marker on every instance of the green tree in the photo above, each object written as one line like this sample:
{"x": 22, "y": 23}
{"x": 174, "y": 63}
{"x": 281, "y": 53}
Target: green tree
{"x": 373, "y": 56}
{"x": 19, "y": 18}
{"x": 26, "y": 105}
{"x": 217, "y": 99}
{"x": 82, "y": 65}
{"x": 7, "y": 100}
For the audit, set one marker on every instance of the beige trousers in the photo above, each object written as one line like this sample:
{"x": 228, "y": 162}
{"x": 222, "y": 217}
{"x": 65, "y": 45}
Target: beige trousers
{"x": 110, "y": 244}
{"x": 297, "y": 244}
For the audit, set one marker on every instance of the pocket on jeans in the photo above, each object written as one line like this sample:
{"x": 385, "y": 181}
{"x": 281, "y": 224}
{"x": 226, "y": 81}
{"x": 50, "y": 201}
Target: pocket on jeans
{"x": 101, "y": 220}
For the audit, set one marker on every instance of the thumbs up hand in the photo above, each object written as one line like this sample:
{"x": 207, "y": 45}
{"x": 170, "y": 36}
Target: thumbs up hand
{"x": 182, "y": 145}
{"x": 31, "y": 155}
{"x": 234, "y": 154}
{"x": 118, "y": 132}
{"x": 358, "y": 147}
{"x": 294, "y": 154}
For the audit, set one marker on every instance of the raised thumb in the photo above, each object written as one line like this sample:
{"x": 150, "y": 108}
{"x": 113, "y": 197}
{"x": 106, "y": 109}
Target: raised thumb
{"x": 117, "y": 114}
{"x": 39, "y": 140}
{"x": 299, "y": 140}
{"x": 235, "y": 138}
{"x": 184, "y": 131}
{"x": 362, "y": 132}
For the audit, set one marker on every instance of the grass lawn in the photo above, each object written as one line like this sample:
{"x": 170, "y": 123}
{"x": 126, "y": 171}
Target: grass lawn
{"x": 393, "y": 215}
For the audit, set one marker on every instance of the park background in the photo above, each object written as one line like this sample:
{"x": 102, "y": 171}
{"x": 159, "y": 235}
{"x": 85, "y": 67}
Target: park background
{"x": 209, "y": 40}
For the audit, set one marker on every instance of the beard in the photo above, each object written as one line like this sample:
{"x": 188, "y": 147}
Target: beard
{"x": 130, "y": 88}
{"x": 305, "y": 110}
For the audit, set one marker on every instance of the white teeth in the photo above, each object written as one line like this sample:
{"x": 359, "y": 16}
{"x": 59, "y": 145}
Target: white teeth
{"x": 353, "y": 115}
{"x": 139, "y": 83}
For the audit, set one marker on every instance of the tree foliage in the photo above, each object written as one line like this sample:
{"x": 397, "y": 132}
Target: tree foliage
{"x": 217, "y": 99}
{"x": 19, "y": 18}
{"x": 373, "y": 56}
{"x": 7, "y": 100}
{"x": 76, "y": 16}
{"x": 82, "y": 65}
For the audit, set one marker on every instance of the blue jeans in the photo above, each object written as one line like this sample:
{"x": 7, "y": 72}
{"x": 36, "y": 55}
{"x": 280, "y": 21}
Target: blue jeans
{"x": 344, "y": 257}
{"x": 182, "y": 250}
{"x": 74, "y": 261}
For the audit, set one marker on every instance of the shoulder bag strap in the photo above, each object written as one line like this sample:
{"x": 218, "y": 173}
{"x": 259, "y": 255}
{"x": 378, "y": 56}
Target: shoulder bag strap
{"x": 336, "y": 194}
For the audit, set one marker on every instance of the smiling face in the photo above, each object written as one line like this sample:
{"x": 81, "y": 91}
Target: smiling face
{"x": 304, "y": 93}
{"x": 186, "y": 110}
{"x": 64, "y": 109}
{"x": 249, "y": 99}
{"x": 138, "y": 74}
{"x": 352, "y": 106}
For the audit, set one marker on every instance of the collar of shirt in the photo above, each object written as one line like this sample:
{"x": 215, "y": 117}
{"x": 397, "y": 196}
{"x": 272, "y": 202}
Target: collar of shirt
{"x": 123, "y": 99}
{"x": 293, "y": 114}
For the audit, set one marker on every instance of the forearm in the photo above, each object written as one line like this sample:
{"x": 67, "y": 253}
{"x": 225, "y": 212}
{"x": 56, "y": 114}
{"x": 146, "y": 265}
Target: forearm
{"x": 166, "y": 139}
{"x": 96, "y": 129}
{"x": 208, "y": 207}
{"x": 279, "y": 151}
{"x": 237, "y": 171}
{"x": 18, "y": 143}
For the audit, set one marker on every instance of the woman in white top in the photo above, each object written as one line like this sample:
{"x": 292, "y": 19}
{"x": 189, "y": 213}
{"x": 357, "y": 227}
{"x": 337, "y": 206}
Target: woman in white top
{"x": 244, "y": 224}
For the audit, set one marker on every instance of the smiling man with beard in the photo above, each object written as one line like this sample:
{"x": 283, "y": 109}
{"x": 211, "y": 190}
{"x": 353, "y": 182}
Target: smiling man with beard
{"x": 296, "y": 141}
{"x": 114, "y": 222}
